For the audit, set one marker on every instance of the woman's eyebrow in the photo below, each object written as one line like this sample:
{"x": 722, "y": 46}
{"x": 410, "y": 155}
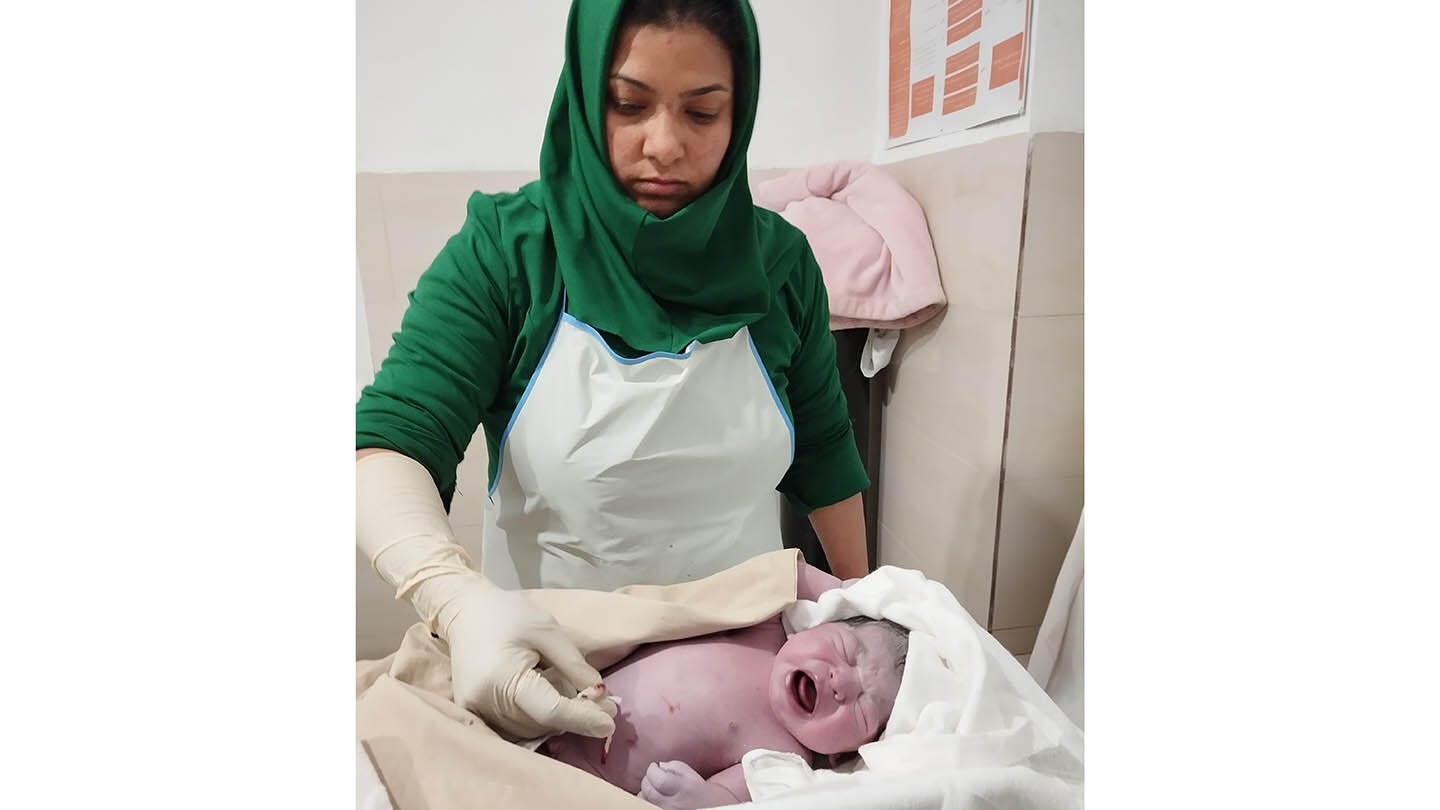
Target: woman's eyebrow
{"x": 699, "y": 91}
{"x": 709, "y": 88}
{"x": 622, "y": 77}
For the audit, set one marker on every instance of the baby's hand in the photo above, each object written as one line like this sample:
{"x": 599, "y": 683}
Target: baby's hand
{"x": 674, "y": 785}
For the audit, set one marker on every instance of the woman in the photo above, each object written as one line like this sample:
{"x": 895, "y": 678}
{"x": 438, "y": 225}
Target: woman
{"x": 647, "y": 352}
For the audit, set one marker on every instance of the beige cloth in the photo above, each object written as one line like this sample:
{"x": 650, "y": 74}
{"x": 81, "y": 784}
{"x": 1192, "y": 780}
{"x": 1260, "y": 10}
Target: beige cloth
{"x": 433, "y": 755}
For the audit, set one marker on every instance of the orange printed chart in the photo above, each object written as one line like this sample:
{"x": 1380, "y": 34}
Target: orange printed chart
{"x": 955, "y": 64}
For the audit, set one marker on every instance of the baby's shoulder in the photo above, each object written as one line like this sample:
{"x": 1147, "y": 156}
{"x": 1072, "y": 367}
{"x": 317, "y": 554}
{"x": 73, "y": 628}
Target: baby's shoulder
{"x": 769, "y": 634}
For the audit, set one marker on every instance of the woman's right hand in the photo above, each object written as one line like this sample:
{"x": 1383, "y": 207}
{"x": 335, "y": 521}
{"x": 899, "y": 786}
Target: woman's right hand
{"x": 497, "y": 638}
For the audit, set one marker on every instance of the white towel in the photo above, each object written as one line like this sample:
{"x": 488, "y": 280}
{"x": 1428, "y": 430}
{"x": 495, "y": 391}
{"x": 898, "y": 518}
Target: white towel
{"x": 1058, "y": 661}
{"x": 970, "y": 728}
{"x": 879, "y": 346}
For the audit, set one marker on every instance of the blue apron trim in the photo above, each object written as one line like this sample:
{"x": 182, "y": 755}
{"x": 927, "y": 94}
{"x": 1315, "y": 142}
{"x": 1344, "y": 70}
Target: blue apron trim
{"x": 765, "y": 375}
{"x": 515, "y": 414}
{"x": 628, "y": 361}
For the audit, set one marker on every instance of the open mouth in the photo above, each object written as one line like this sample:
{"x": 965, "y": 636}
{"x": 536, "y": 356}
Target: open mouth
{"x": 803, "y": 688}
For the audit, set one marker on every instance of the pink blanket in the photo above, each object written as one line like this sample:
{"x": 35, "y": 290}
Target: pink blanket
{"x": 870, "y": 239}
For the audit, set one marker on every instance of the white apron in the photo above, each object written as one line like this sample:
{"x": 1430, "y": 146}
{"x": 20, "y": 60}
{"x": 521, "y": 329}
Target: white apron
{"x": 653, "y": 470}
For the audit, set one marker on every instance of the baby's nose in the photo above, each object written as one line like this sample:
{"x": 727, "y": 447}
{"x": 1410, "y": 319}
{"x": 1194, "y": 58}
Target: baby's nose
{"x": 845, "y": 684}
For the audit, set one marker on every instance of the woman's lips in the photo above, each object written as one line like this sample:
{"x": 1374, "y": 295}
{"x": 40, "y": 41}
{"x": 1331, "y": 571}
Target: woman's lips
{"x": 660, "y": 188}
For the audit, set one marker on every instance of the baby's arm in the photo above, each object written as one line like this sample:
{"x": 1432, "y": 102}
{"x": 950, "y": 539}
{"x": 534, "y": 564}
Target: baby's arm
{"x": 810, "y": 582}
{"x": 732, "y": 779}
{"x": 676, "y": 786}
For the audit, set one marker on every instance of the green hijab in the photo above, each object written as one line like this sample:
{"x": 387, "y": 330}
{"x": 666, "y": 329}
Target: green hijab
{"x": 657, "y": 284}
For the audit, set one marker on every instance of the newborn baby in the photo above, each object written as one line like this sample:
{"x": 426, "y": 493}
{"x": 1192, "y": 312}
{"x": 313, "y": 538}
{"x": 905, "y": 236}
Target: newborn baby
{"x": 690, "y": 709}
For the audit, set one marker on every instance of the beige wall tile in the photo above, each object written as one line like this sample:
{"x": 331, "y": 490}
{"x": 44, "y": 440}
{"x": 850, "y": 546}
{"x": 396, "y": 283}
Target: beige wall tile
{"x": 372, "y": 258}
{"x": 944, "y": 412}
{"x": 898, "y": 553}
{"x": 1037, "y": 524}
{"x": 491, "y": 182}
{"x": 973, "y": 199}
{"x": 423, "y": 210}
{"x": 1047, "y": 402}
{"x": 469, "y": 536}
{"x": 380, "y": 618}
{"x": 940, "y": 464}
{"x": 962, "y": 568}
{"x": 1052, "y": 261}
{"x": 758, "y": 176}
{"x": 419, "y": 212}
{"x": 1018, "y": 640}
{"x": 954, "y": 565}
{"x": 472, "y": 484}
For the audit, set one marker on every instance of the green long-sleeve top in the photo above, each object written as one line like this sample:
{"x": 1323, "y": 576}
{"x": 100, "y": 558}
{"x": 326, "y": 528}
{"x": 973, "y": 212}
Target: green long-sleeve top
{"x": 480, "y": 317}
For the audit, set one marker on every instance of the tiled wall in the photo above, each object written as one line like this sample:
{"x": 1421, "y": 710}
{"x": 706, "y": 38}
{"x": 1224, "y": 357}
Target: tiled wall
{"x": 983, "y": 456}
{"x": 1043, "y": 485}
{"x": 988, "y": 513}
{"x": 942, "y": 435}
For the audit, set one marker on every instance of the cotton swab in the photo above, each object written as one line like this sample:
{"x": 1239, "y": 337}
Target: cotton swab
{"x": 596, "y": 693}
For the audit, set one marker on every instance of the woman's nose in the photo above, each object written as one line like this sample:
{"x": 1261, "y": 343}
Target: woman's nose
{"x": 662, "y": 140}
{"x": 845, "y": 685}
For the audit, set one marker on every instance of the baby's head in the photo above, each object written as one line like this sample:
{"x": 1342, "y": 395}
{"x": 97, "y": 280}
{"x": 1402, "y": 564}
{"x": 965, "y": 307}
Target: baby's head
{"x": 834, "y": 685}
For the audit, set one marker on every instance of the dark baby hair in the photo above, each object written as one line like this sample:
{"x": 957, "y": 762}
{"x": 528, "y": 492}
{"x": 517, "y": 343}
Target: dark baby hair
{"x": 899, "y": 637}
{"x": 720, "y": 17}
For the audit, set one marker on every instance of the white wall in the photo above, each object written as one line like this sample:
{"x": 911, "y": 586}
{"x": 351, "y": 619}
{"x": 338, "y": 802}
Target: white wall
{"x": 1056, "y": 100}
{"x": 452, "y": 85}
{"x": 816, "y": 78}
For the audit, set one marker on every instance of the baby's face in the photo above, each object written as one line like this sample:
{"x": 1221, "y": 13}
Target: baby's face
{"x": 833, "y": 686}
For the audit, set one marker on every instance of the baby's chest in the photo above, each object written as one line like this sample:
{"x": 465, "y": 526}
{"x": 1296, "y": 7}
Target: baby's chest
{"x": 705, "y": 703}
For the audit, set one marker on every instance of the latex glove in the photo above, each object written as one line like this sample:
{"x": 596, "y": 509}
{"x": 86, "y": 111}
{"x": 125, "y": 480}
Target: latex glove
{"x": 496, "y": 637}
{"x": 674, "y": 785}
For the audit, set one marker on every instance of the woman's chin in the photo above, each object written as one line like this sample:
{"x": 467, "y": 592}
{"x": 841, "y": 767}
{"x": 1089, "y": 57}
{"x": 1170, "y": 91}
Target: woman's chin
{"x": 661, "y": 207}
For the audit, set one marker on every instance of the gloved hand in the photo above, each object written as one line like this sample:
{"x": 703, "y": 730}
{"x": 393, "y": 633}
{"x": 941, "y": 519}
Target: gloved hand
{"x": 496, "y": 637}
